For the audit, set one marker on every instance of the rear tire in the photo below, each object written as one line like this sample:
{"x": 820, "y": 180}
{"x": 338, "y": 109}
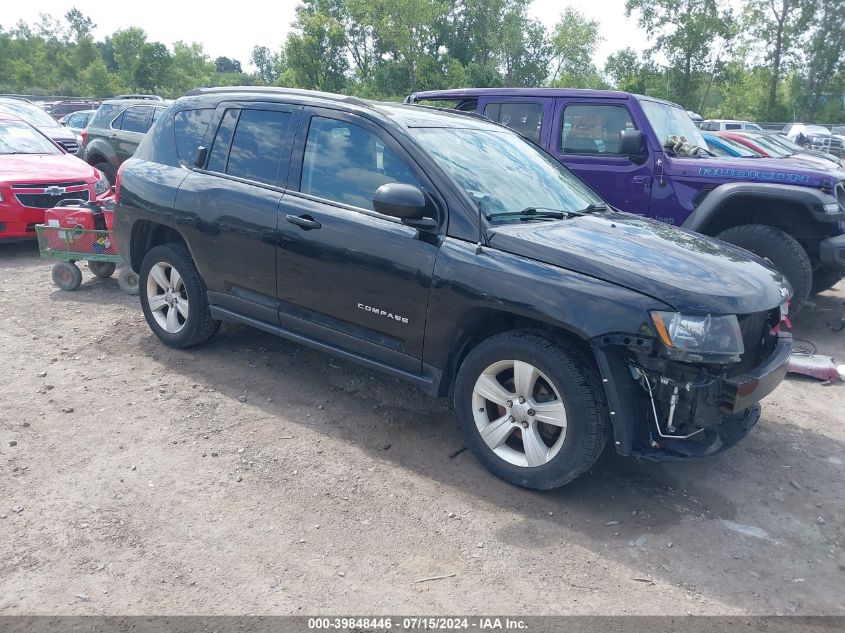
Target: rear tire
{"x": 103, "y": 270}
{"x": 179, "y": 314}
{"x": 558, "y": 383}
{"x": 783, "y": 250}
{"x": 67, "y": 276}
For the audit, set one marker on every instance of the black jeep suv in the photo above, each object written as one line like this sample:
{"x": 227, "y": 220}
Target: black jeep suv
{"x": 444, "y": 249}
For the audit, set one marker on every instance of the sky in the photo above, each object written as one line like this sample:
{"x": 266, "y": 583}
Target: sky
{"x": 233, "y": 33}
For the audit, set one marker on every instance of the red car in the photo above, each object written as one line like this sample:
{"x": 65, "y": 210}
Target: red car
{"x": 36, "y": 174}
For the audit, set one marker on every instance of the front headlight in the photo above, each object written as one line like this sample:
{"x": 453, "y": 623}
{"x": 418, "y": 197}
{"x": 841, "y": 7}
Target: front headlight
{"x": 699, "y": 338}
{"x": 102, "y": 185}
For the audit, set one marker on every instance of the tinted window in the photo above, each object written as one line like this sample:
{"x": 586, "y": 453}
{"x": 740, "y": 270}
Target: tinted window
{"x": 104, "y": 112}
{"x": 733, "y": 126}
{"x": 524, "y": 118}
{"x": 136, "y": 120}
{"x": 189, "y": 128}
{"x": 594, "y": 129}
{"x": 346, "y": 163}
{"x": 220, "y": 148}
{"x": 258, "y": 145}
{"x": 157, "y": 113}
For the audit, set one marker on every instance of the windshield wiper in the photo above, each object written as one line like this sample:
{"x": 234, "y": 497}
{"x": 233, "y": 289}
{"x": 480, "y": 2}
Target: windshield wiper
{"x": 546, "y": 213}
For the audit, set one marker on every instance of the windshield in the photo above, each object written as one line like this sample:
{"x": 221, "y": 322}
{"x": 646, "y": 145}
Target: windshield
{"x": 29, "y": 112}
{"x": 738, "y": 148}
{"x": 16, "y": 137}
{"x": 669, "y": 121}
{"x": 784, "y": 143}
{"x": 503, "y": 173}
{"x": 772, "y": 148}
{"x": 818, "y": 130}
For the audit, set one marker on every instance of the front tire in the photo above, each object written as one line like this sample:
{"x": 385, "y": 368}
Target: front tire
{"x": 783, "y": 250}
{"x": 173, "y": 297}
{"x": 531, "y": 409}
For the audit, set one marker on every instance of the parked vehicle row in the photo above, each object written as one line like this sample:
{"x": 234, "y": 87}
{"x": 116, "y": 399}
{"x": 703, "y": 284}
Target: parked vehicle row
{"x": 37, "y": 174}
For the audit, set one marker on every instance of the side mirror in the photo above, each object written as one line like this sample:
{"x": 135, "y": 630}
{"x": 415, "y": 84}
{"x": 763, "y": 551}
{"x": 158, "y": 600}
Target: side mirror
{"x": 632, "y": 143}
{"x": 406, "y": 202}
{"x": 202, "y": 154}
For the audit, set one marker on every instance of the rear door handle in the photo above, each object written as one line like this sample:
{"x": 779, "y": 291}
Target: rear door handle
{"x": 305, "y": 221}
{"x": 641, "y": 180}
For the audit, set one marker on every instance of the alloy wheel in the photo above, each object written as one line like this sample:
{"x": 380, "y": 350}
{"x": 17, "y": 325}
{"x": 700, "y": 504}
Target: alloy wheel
{"x": 167, "y": 297}
{"x": 519, "y": 413}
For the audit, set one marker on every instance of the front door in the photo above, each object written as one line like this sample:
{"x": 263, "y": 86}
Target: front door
{"x": 347, "y": 275}
{"x": 586, "y": 138}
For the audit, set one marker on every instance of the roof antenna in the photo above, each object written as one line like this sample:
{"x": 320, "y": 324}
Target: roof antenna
{"x": 480, "y": 231}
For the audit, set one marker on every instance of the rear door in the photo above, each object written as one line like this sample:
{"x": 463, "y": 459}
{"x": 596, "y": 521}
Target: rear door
{"x": 227, "y": 210}
{"x": 529, "y": 116}
{"x": 586, "y": 139}
{"x": 128, "y": 129}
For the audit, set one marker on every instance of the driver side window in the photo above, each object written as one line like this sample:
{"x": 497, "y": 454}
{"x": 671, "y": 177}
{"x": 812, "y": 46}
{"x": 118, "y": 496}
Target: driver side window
{"x": 346, "y": 163}
{"x": 594, "y": 129}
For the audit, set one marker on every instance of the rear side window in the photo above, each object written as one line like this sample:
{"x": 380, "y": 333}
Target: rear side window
{"x": 733, "y": 126}
{"x": 189, "y": 127}
{"x": 103, "y": 114}
{"x": 135, "y": 119}
{"x": 524, "y": 118}
{"x": 250, "y": 143}
{"x": 258, "y": 145}
{"x": 594, "y": 129}
{"x": 346, "y": 163}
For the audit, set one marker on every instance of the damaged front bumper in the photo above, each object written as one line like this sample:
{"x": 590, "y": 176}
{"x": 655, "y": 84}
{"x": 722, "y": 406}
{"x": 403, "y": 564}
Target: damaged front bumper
{"x": 665, "y": 410}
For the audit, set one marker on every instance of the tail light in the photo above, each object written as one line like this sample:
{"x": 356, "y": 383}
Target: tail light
{"x": 83, "y": 134}
{"x": 117, "y": 180}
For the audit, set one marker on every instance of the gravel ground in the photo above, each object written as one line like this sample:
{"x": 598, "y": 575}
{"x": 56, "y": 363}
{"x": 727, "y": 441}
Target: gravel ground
{"x": 254, "y": 476}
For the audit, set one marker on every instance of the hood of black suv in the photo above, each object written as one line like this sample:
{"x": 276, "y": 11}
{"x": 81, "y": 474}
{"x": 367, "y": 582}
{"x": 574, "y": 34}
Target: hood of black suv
{"x": 689, "y": 271}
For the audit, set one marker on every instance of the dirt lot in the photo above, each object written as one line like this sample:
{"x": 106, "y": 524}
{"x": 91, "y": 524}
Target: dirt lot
{"x": 255, "y": 476}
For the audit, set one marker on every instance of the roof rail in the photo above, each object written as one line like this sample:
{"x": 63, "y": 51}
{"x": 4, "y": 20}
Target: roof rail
{"x": 280, "y": 91}
{"x": 474, "y": 115}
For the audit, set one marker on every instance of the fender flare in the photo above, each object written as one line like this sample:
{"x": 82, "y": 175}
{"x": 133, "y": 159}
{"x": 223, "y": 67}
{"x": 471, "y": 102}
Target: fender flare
{"x": 813, "y": 199}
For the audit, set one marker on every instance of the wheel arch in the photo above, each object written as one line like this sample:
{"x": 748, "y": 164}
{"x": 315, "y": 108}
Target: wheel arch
{"x": 145, "y": 235}
{"x": 787, "y": 207}
{"x": 479, "y": 324}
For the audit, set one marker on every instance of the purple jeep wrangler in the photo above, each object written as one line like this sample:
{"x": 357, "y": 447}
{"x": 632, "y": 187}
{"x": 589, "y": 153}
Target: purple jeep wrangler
{"x": 618, "y": 143}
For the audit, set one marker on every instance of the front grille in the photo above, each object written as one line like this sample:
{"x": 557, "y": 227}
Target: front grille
{"x": 756, "y": 339}
{"x": 48, "y": 201}
{"x": 44, "y": 185}
{"x": 71, "y": 147}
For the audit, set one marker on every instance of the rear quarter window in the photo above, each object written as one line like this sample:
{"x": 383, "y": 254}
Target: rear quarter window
{"x": 189, "y": 127}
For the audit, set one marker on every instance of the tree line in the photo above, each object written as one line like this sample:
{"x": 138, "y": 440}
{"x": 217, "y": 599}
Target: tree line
{"x": 773, "y": 60}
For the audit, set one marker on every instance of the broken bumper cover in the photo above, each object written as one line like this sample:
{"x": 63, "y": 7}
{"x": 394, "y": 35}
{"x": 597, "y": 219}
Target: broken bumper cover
{"x": 740, "y": 392}
{"x": 734, "y": 402}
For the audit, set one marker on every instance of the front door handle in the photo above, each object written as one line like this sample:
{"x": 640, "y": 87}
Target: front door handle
{"x": 641, "y": 180}
{"x": 113, "y": 137}
{"x": 305, "y": 221}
